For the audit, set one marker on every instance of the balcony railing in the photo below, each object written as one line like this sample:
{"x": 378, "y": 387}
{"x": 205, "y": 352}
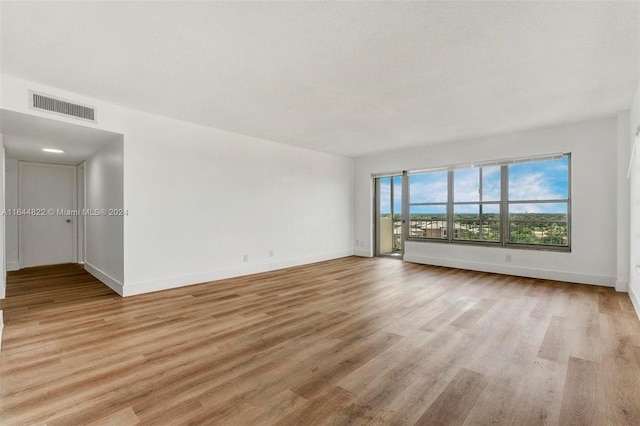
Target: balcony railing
{"x": 521, "y": 231}
{"x": 428, "y": 228}
{"x": 397, "y": 235}
{"x": 476, "y": 230}
{"x": 543, "y": 232}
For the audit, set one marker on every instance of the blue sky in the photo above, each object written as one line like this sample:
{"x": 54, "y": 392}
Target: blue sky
{"x": 385, "y": 194}
{"x": 541, "y": 180}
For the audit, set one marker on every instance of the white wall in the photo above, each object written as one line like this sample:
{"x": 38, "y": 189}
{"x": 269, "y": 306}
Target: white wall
{"x": 634, "y": 255}
{"x": 3, "y": 256}
{"x": 104, "y": 234}
{"x": 11, "y": 222}
{"x": 200, "y": 198}
{"x": 594, "y": 198}
{"x": 622, "y": 217}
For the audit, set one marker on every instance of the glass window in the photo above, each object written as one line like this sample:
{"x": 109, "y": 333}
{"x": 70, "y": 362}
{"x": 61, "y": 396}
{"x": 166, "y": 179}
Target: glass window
{"x": 530, "y": 197}
{"x": 539, "y": 203}
{"x": 428, "y": 221}
{"x": 539, "y": 180}
{"x": 429, "y": 187}
{"x": 466, "y": 185}
{"x": 491, "y": 183}
{"x": 428, "y": 197}
{"x": 477, "y": 222}
{"x": 541, "y": 223}
{"x": 476, "y": 205}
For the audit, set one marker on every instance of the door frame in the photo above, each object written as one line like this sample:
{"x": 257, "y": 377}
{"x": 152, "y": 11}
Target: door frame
{"x": 404, "y": 192}
{"x": 74, "y": 229}
{"x": 376, "y": 215}
{"x": 81, "y": 203}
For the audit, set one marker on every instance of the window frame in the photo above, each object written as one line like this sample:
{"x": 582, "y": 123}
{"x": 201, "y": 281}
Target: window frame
{"x": 447, "y": 208}
{"x": 508, "y": 203}
{"x": 480, "y": 203}
{"x": 504, "y": 205}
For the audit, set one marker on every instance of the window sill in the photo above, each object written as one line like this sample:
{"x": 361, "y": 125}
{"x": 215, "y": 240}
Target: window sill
{"x": 496, "y": 245}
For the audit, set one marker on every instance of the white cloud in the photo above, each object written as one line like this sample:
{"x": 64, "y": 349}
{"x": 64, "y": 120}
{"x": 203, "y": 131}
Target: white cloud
{"x": 467, "y": 184}
{"x": 530, "y": 182}
{"x": 532, "y": 186}
{"x": 385, "y": 197}
{"x": 428, "y": 189}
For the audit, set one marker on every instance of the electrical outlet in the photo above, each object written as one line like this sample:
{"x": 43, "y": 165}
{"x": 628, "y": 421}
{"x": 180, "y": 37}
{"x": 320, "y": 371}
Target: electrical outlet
{"x": 507, "y": 258}
{"x": 245, "y": 258}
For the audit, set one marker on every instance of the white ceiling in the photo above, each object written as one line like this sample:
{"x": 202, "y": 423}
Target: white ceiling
{"x": 26, "y": 135}
{"x": 351, "y": 78}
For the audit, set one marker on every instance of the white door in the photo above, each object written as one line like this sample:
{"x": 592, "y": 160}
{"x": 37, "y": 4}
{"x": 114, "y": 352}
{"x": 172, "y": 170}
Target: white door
{"x": 46, "y": 200}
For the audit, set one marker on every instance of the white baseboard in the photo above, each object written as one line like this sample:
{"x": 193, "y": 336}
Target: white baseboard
{"x": 515, "y": 270}
{"x": 298, "y": 261}
{"x": 362, "y": 253}
{"x": 1, "y": 328}
{"x": 622, "y": 286}
{"x": 221, "y": 274}
{"x": 106, "y": 279}
{"x": 13, "y": 266}
{"x": 633, "y": 295}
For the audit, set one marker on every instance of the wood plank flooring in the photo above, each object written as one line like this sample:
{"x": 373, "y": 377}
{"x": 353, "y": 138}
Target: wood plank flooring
{"x": 349, "y": 341}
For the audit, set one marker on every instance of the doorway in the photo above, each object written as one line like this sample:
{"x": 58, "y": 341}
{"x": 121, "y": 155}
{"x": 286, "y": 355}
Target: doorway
{"x": 47, "y": 214}
{"x": 97, "y": 183}
{"x": 389, "y": 216}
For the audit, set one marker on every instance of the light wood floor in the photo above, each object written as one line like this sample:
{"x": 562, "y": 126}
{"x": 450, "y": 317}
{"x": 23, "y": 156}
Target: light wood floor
{"x": 362, "y": 341}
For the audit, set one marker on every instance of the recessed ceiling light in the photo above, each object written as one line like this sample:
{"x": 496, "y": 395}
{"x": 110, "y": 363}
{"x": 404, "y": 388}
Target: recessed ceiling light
{"x": 53, "y": 150}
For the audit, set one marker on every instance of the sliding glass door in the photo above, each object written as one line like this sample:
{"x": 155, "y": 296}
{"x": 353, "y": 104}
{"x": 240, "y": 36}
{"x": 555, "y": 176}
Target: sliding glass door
{"x": 389, "y": 241}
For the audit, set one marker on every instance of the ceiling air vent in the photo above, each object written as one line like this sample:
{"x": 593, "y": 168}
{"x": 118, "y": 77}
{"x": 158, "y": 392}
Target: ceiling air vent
{"x": 60, "y": 106}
